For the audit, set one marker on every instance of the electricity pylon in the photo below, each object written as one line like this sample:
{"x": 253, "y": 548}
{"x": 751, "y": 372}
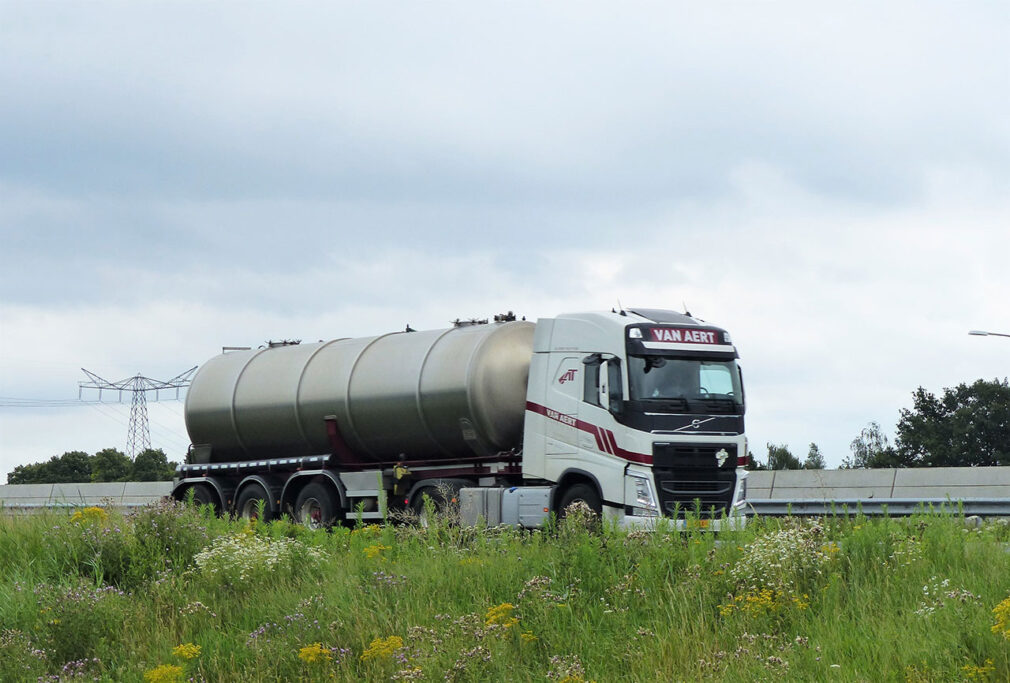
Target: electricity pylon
{"x": 139, "y": 437}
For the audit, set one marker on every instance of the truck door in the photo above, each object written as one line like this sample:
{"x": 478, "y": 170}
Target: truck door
{"x": 593, "y": 404}
{"x": 563, "y": 396}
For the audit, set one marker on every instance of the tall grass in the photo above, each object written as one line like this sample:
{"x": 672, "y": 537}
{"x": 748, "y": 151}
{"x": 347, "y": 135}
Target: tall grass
{"x": 173, "y": 593}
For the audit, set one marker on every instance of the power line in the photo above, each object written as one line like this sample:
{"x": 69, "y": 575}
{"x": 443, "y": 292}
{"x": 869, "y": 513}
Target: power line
{"x": 8, "y": 402}
{"x": 163, "y": 432}
{"x": 106, "y": 410}
{"x": 139, "y": 431}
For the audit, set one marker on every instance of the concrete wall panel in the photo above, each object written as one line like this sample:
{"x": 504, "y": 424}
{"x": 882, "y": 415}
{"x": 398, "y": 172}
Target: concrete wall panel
{"x": 72, "y": 493}
{"x": 953, "y": 476}
{"x": 919, "y": 484}
{"x": 14, "y": 492}
{"x": 148, "y": 488}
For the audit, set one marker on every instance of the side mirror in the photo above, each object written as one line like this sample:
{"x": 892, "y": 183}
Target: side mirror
{"x": 613, "y": 389}
{"x": 603, "y": 394}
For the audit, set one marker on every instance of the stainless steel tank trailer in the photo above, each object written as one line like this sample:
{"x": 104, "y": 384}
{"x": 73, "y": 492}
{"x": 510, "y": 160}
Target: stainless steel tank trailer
{"x": 639, "y": 413}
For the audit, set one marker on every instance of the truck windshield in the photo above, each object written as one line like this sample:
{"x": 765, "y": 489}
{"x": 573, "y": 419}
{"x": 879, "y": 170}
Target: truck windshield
{"x": 669, "y": 377}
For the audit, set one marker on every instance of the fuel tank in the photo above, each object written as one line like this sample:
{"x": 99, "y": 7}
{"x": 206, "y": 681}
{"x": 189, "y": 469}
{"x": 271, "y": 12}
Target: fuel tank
{"x": 433, "y": 395}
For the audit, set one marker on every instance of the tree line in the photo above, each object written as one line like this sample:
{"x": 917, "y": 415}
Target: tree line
{"x": 966, "y": 426}
{"x": 105, "y": 465}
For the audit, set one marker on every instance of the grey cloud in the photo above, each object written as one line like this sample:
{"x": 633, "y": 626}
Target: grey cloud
{"x": 615, "y": 115}
{"x": 177, "y": 177}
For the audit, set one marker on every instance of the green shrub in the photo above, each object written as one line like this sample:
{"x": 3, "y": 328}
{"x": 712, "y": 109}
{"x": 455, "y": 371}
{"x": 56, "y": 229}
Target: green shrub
{"x": 245, "y": 561}
{"x": 20, "y": 658}
{"x": 83, "y": 622}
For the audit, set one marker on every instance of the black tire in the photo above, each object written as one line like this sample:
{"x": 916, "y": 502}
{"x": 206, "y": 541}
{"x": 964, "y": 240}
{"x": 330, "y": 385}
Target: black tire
{"x": 315, "y": 506}
{"x": 203, "y": 495}
{"x": 583, "y": 492}
{"x": 437, "y": 498}
{"x": 247, "y": 505}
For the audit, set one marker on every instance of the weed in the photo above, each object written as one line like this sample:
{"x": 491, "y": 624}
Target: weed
{"x": 206, "y": 598}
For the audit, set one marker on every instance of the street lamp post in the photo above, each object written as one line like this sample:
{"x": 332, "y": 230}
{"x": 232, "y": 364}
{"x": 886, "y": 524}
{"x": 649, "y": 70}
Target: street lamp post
{"x": 983, "y": 333}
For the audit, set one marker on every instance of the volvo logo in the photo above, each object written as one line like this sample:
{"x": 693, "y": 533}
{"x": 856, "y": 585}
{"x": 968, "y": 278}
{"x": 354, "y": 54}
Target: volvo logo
{"x": 721, "y": 455}
{"x": 695, "y": 424}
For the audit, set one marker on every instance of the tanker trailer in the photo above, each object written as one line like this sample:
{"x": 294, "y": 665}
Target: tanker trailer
{"x": 638, "y": 413}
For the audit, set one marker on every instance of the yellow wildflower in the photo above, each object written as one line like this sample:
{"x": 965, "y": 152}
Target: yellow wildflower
{"x": 89, "y": 515}
{"x": 367, "y": 530}
{"x": 978, "y": 673}
{"x": 314, "y": 653}
{"x": 528, "y": 637}
{"x": 501, "y": 614}
{"x": 166, "y": 673}
{"x": 374, "y": 550}
{"x": 763, "y": 601}
{"x": 1002, "y": 612}
{"x": 381, "y": 648}
{"x": 187, "y": 651}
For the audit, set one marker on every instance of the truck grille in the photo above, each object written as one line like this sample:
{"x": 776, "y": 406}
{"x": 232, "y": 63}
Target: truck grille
{"x": 689, "y": 479}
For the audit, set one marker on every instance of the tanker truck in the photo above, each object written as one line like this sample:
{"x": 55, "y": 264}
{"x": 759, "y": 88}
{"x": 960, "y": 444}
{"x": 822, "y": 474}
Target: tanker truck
{"x": 638, "y": 413}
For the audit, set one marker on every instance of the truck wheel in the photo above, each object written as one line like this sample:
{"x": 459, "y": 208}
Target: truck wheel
{"x": 247, "y": 505}
{"x": 581, "y": 492}
{"x": 438, "y": 498}
{"x": 314, "y": 507}
{"x": 418, "y": 505}
{"x": 203, "y": 495}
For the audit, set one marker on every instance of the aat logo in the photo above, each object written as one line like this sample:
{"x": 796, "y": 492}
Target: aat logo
{"x": 569, "y": 376}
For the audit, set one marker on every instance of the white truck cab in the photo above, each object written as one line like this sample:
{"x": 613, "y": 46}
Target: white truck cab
{"x": 639, "y": 413}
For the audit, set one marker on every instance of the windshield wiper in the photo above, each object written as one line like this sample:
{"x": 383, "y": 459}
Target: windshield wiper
{"x": 718, "y": 400}
{"x": 724, "y": 404}
{"x": 670, "y": 403}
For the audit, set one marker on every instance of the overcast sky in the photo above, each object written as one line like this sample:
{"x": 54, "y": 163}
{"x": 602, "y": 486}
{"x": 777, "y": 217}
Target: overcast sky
{"x": 831, "y": 186}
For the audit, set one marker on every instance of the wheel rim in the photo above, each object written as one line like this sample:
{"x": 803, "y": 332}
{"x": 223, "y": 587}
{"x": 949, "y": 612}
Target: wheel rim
{"x": 422, "y": 518}
{"x": 311, "y": 513}
{"x": 251, "y": 509}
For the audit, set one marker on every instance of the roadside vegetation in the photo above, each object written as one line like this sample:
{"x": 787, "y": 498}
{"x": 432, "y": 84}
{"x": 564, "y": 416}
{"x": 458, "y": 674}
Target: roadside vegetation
{"x": 173, "y": 593}
{"x": 107, "y": 465}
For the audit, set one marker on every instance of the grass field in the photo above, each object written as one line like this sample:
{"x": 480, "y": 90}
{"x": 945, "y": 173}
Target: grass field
{"x": 173, "y": 593}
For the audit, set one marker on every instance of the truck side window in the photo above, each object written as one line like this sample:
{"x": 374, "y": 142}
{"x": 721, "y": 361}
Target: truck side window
{"x": 615, "y": 391}
{"x": 591, "y": 383}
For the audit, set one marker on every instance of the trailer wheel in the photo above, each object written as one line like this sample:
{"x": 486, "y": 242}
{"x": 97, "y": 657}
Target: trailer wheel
{"x": 203, "y": 495}
{"x": 580, "y": 492}
{"x": 247, "y": 505}
{"x": 314, "y": 506}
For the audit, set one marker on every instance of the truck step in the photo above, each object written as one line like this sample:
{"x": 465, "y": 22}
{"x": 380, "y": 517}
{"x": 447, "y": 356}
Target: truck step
{"x": 352, "y": 515}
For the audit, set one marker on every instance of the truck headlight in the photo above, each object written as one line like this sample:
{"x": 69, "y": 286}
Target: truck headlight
{"x": 638, "y": 495}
